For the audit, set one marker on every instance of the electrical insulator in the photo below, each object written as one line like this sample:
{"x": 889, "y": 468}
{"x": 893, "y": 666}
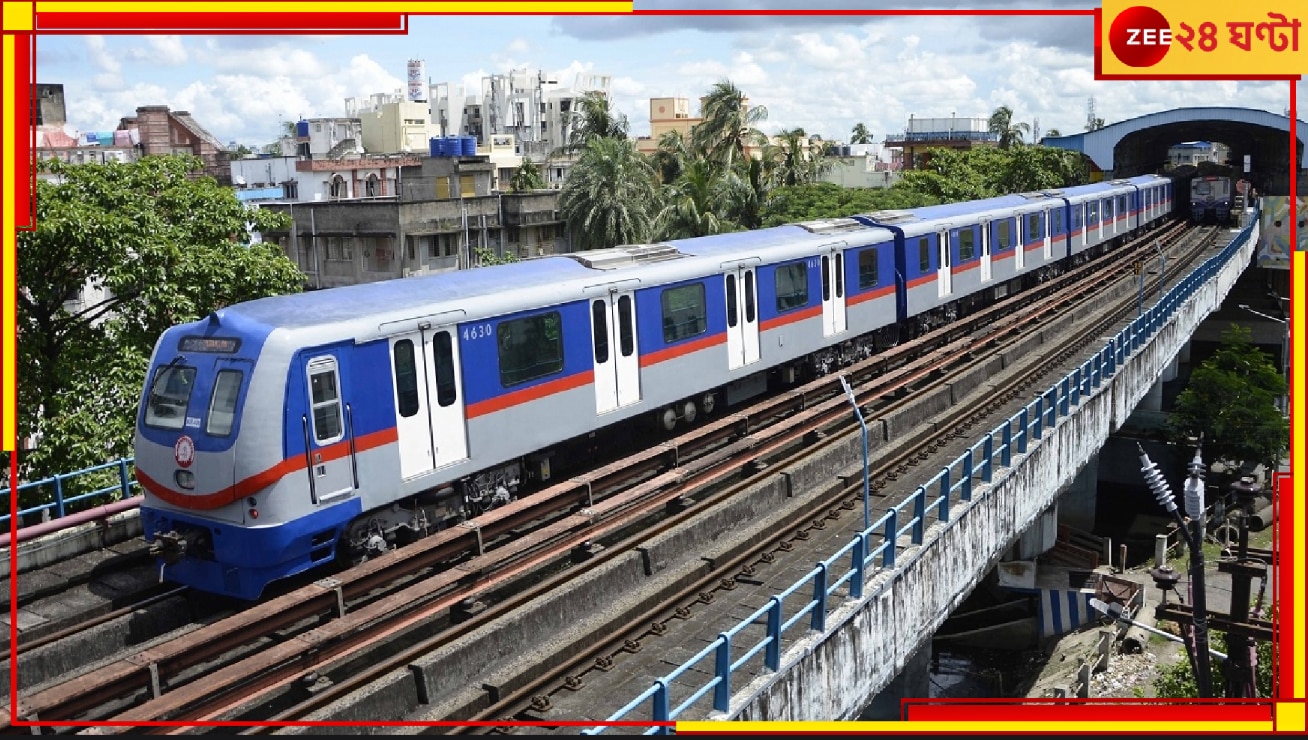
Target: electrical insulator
{"x": 1157, "y": 484}
{"x": 1194, "y": 488}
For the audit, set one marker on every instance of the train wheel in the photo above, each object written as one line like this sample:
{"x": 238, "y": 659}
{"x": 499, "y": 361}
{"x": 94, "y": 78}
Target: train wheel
{"x": 688, "y": 412}
{"x": 668, "y": 419}
{"x": 707, "y": 403}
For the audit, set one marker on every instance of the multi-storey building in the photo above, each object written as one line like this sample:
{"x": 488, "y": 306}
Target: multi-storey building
{"x": 162, "y": 131}
{"x": 909, "y": 149}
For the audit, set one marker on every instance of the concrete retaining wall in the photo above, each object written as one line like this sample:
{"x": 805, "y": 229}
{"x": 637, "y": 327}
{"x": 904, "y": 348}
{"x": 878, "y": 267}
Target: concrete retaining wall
{"x": 834, "y": 674}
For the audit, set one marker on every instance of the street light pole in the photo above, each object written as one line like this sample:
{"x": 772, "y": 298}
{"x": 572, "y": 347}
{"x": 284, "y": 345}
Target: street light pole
{"x": 858, "y": 414}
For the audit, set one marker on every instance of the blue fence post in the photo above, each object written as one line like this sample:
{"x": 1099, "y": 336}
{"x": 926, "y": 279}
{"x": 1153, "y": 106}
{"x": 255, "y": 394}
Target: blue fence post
{"x": 722, "y": 692}
{"x": 1039, "y": 415}
{"x": 818, "y": 621}
{"x": 1052, "y": 409}
{"x": 59, "y": 494}
{"x": 965, "y": 491}
{"x": 1006, "y": 442}
{"x": 1023, "y": 424}
{"x": 661, "y": 707}
{"x": 919, "y": 514}
{"x": 988, "y": 465}
{"x": 856, "y": 585}
{"x": 1065, "y": 395}
{"x": 892, "y": 537}
{"x": 772, "y": 654}
{"x": 944, "y": 495}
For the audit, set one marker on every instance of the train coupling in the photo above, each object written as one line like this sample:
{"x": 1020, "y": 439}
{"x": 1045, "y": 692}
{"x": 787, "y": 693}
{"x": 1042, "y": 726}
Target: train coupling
{"x": 172, "y": 546}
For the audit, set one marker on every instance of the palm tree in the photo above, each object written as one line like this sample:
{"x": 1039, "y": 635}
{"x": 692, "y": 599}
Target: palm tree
{"x": 1010, "y": 133}
{"x": 1052, "y": 133}
{"x": 728, "y": 125}
{"x": 860, "y": 135}
{"x": 744, "y": 193}
{"x": 594, "y": 118}
{"x": 688, "y": 209}
{"x": 526, "y": 177}
{"x": 609, "y": 195}
{"x": 671, "y": 157}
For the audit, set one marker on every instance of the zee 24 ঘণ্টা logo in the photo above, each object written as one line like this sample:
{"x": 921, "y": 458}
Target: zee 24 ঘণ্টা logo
{"x": 1141, "y": 36}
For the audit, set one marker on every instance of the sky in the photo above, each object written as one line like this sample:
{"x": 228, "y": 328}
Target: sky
{"x": 824, "y": 73}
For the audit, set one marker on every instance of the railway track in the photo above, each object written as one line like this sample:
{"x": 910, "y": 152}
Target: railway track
{"x": 310, "y": 631}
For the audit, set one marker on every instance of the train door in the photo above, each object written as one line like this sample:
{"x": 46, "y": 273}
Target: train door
{"x": 742, "y": 318}
{"x": 613, "y": 339}
{"x": 412, "y": 421}
{"x": 1024, "y": 223}
{"x": 1048, "y": 241}
{"x": 987, "y": 250}
{"x": 833, "y": 291}
{"x": 446, "y": 407}
{"x": 328, "y": 431}
{"x": 1083, "y": 210}
{"x": 220, "y": 407}
{"x": 944, "y": 276}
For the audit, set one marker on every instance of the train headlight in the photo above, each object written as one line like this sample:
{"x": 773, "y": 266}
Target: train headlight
{"x": 185, "y": 479}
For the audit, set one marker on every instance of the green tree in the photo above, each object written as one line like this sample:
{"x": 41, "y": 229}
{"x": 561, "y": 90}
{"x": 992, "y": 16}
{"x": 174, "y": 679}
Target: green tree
{"x": 526, "y": 177}
{"x": 1231, "y": 400}
{"x": 690, "y": 205}
{"x": 165, "y": 246}
{"x": 1052, "y": 133}
{"x": 860, "y": 135}
{"x": 728, "y": 125}
{"x": 828, "y": 200}
{"x": 485, "y": 257}
{"x": 671, "y": 157}
{"x": 1010, "y": 132}
{"x": 609, "y": 196}
{"x": 594, "y": 118}
{"x": 745, "y": 193}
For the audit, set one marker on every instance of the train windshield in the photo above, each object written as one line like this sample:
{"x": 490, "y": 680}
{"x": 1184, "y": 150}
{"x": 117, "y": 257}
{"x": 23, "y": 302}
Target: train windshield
{"x": 1201, "y": 187}
{"x": 169, "y": 394}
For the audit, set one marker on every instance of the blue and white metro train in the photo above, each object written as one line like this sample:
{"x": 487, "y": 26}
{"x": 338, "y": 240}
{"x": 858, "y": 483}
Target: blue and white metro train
{"x": 1210, "y": 199}
{"x": 277, "y": 433}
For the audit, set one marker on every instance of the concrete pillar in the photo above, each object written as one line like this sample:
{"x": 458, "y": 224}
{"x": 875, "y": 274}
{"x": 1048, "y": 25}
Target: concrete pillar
{"x": 1183, "y": 356}
{"x": 1077, "y": 503}
{"x": 914, "y": 682}
{"x": 1169, "y": 372}
{"x": 1153, "y": 400}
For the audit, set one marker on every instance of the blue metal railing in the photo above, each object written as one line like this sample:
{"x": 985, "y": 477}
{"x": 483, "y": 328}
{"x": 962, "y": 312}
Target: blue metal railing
{"x": 929, "y": 504}
{"x": 51, "y": 492}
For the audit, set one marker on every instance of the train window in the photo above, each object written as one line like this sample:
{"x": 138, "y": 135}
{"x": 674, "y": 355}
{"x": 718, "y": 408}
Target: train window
{"x": 1057, "y": 227}
{"x": 406, "y": 378}
{"x": 732, "y": 310}
{"x": 924, "y": 254}
{"x": 867, "y": 269}
{"x": 325, "y": 397}
{"x": 626, "y": 335}
{"x": 169, "y": 395}
{"x": 966, "y": 244}
{"x": 683, "y": 312}
{"x": 1092, "y": 212}
{"x": 840, "y": 274}
{"x": 1108, "y": 209}
{"x": 826, "y": 278}
{"x": 1121, "y": 204}
{"x": 443, "y": 348}
{"x": 792, "y": 286}
{"x": 530, "y": 348}
{"x": 1032, "y": 227}
{"x": 222, "y": 404}
{"x": 1005, "y": 235}
{"x": 749, "y": 297}
{"x": 599, "y": 322}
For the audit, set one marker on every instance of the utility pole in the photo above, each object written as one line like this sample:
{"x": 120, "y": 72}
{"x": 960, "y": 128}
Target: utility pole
{"x": 1241, "y": 669}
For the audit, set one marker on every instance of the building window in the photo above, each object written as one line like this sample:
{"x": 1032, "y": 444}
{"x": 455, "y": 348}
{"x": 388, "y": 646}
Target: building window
{"x": 467, "y": 186}
{"x": 791, "y": 282}
{"x": 684, "y": 312}
{"x": 371, "y": 187}
{"x": 529, "y": 348}
{"x": 338, "y": 187}
{"x": 291, "y": 190}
